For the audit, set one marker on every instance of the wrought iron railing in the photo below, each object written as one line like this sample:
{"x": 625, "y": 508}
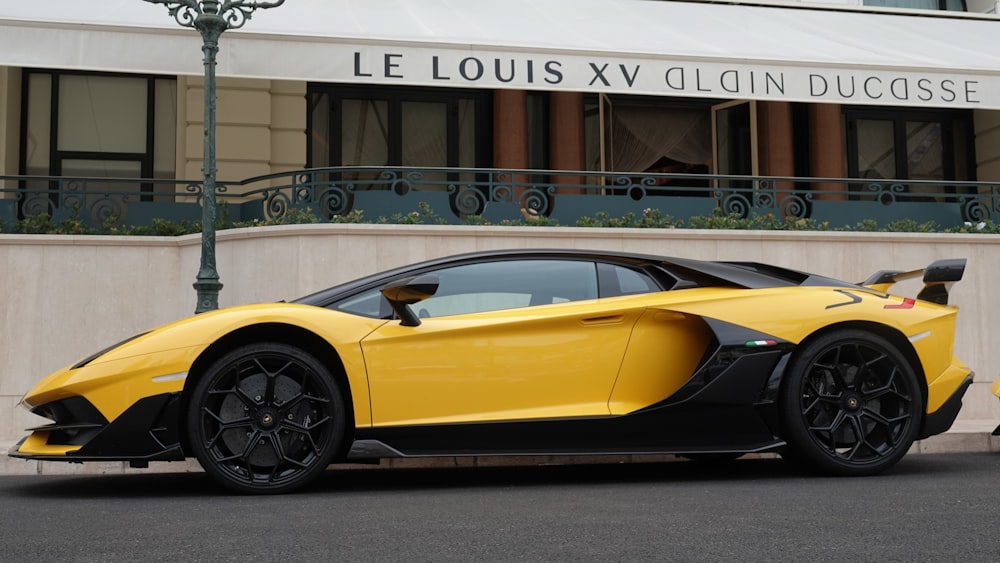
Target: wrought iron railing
{"x": 477, "y": 195}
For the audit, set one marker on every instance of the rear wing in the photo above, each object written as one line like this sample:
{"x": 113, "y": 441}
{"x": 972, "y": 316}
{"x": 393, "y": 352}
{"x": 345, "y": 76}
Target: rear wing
{"x": 938, "y": 278}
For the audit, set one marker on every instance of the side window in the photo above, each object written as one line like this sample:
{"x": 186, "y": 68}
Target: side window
{"x": 619, "y": 280}
{"x": 367, "y": 304}
{"x": 494, "y": 286}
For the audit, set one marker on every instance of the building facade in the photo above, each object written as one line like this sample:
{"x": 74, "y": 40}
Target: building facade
{"x": 877, "y": 90}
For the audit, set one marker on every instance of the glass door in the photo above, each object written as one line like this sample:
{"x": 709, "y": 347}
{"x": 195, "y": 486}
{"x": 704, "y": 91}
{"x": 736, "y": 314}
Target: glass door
{"x": 734, "y": 154}
{"x": 734, "y": 138}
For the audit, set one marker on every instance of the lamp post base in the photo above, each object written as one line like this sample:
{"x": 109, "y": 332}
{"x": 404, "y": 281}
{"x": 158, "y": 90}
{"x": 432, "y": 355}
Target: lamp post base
{"x": 208, "y": 294}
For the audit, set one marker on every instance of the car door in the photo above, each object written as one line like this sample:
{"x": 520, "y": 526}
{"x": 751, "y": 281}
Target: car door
{"x": 501, "y": 340}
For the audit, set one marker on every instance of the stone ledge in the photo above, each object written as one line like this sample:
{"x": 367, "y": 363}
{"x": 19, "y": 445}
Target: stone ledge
{"x": 965, "y": 437}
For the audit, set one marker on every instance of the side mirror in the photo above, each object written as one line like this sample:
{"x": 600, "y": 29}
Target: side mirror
{"x": 405, "y": 292}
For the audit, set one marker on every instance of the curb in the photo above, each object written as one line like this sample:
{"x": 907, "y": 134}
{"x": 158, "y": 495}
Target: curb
{"x": 964, "y": 437}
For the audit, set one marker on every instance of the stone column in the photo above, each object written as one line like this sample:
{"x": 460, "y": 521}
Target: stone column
{"x": 776, "y": 149}
{"x": 566, "y": 142}
{"x": 827, "y": 155}
{"x": 510, "y": 137}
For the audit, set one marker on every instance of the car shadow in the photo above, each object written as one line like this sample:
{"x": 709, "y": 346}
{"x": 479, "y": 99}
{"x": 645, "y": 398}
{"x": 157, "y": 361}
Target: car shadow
{"x": 376, "y": 479}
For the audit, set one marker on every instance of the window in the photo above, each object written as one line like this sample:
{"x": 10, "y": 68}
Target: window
{"x": 618, "y": 280}
{"x": 950, "y": 5}
{"x": 492, "y": 286}
{"x": 510, "y": 284}
{"x": 366, "y": 126}
{"x": 99, "y": 125}
{"x": 634, "y": 134}
{"x": 640, "y": 132}
{"x": 904, "y": 144}
{"x": 367, "y": 304}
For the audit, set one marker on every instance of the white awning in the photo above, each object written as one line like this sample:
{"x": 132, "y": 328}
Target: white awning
{"x": 691, "y": 49}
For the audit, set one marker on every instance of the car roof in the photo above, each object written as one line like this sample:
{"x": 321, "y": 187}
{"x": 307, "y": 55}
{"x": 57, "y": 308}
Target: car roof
{"x": 688, "y": 272}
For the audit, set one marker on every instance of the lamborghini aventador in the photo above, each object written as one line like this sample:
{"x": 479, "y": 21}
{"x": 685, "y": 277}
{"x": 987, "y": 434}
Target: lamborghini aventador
{"x": 524, "y": 352}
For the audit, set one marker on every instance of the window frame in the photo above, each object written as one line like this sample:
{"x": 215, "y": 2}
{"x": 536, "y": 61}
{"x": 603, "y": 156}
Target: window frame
{"x": 899, "y": 117}
{"x": 57, "y": 156}
{"x": 395, "y": 97}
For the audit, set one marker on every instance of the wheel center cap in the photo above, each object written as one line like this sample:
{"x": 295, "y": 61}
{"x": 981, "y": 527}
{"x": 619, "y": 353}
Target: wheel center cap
{"x": 852, "y": 402}
{"x": 266, "y": 418}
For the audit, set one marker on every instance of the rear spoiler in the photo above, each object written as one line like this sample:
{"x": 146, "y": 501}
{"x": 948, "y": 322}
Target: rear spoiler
{"x": 938, "y": 277}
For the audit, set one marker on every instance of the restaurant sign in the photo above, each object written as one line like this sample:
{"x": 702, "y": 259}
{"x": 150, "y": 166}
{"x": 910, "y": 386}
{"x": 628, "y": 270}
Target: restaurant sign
{"x": 739, "y": 79}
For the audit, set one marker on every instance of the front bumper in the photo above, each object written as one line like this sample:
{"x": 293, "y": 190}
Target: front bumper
{"x": 147, "y": 431}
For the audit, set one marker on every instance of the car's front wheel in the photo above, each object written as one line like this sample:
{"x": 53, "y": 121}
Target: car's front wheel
{"x": 266, "y": 418}
{"x": 851, "y": 404}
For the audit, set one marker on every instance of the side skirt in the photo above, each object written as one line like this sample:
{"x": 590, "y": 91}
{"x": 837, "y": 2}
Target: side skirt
{"x": 366, "y": 450}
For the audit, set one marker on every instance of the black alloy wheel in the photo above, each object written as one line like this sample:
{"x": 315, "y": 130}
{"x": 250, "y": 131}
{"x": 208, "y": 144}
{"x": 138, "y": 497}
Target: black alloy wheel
{"x": 851, "y": 404}
{"x": 266, "y": 418}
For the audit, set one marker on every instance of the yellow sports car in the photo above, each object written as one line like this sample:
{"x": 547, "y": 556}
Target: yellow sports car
{"x": 524, "y": 352}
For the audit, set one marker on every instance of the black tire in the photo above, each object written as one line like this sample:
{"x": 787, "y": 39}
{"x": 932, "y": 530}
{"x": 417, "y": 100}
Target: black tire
{"x": 266, "y": 419}
{"x": 850, "y": 404}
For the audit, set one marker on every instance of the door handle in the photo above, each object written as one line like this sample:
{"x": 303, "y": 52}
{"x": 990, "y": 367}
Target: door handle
{"x": 605, "y": 320}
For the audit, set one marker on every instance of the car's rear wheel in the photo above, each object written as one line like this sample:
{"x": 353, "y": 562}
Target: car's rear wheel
{"x": 266, "y": 418}
{"x": 851, "y": 404}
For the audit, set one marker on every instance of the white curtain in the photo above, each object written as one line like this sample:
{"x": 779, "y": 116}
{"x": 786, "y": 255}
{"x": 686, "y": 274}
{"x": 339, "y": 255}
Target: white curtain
{"x": 640, "y": 136}
{"x": 425, "y": 134}
{"x": 365, "y": 133}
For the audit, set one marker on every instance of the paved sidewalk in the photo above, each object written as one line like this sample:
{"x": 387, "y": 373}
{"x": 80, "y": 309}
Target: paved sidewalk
{"x": 964, "y": 436}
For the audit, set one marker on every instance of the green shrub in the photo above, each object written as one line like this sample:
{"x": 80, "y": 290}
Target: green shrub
{"x": 648, "y": 218}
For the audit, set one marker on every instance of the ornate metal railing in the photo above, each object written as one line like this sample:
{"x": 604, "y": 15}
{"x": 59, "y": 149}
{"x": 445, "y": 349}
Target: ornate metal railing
{"x": 464, "y": 195}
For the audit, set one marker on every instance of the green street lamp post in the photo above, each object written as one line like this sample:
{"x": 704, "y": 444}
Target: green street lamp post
{"x": 210, "y": 18}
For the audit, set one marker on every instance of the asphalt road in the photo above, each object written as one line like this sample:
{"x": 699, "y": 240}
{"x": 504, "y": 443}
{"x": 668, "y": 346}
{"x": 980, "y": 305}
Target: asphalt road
{"x": 928, "y": 508}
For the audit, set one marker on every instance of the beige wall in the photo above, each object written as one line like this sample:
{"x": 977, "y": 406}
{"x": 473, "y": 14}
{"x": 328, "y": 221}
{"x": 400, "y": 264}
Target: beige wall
{"x": 65, "y": 297}
{"x": 260, "y": 127}
{"x": 10, "y": 107}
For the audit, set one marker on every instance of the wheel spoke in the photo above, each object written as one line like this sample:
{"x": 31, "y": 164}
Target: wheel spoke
{"x": 815, "y": 402}
{"x": 859, "y": 438}
{"x": 240, "y": 456}
{"x": 832, "y": 427}
{"x": 235, "y": 390}
{"x": 223, "y": 426}
{"x": 307, "y": 431}
{"x": 889, "y": 425}
{"x": 279, "y": 448}
{"x": 877, "y": 417}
